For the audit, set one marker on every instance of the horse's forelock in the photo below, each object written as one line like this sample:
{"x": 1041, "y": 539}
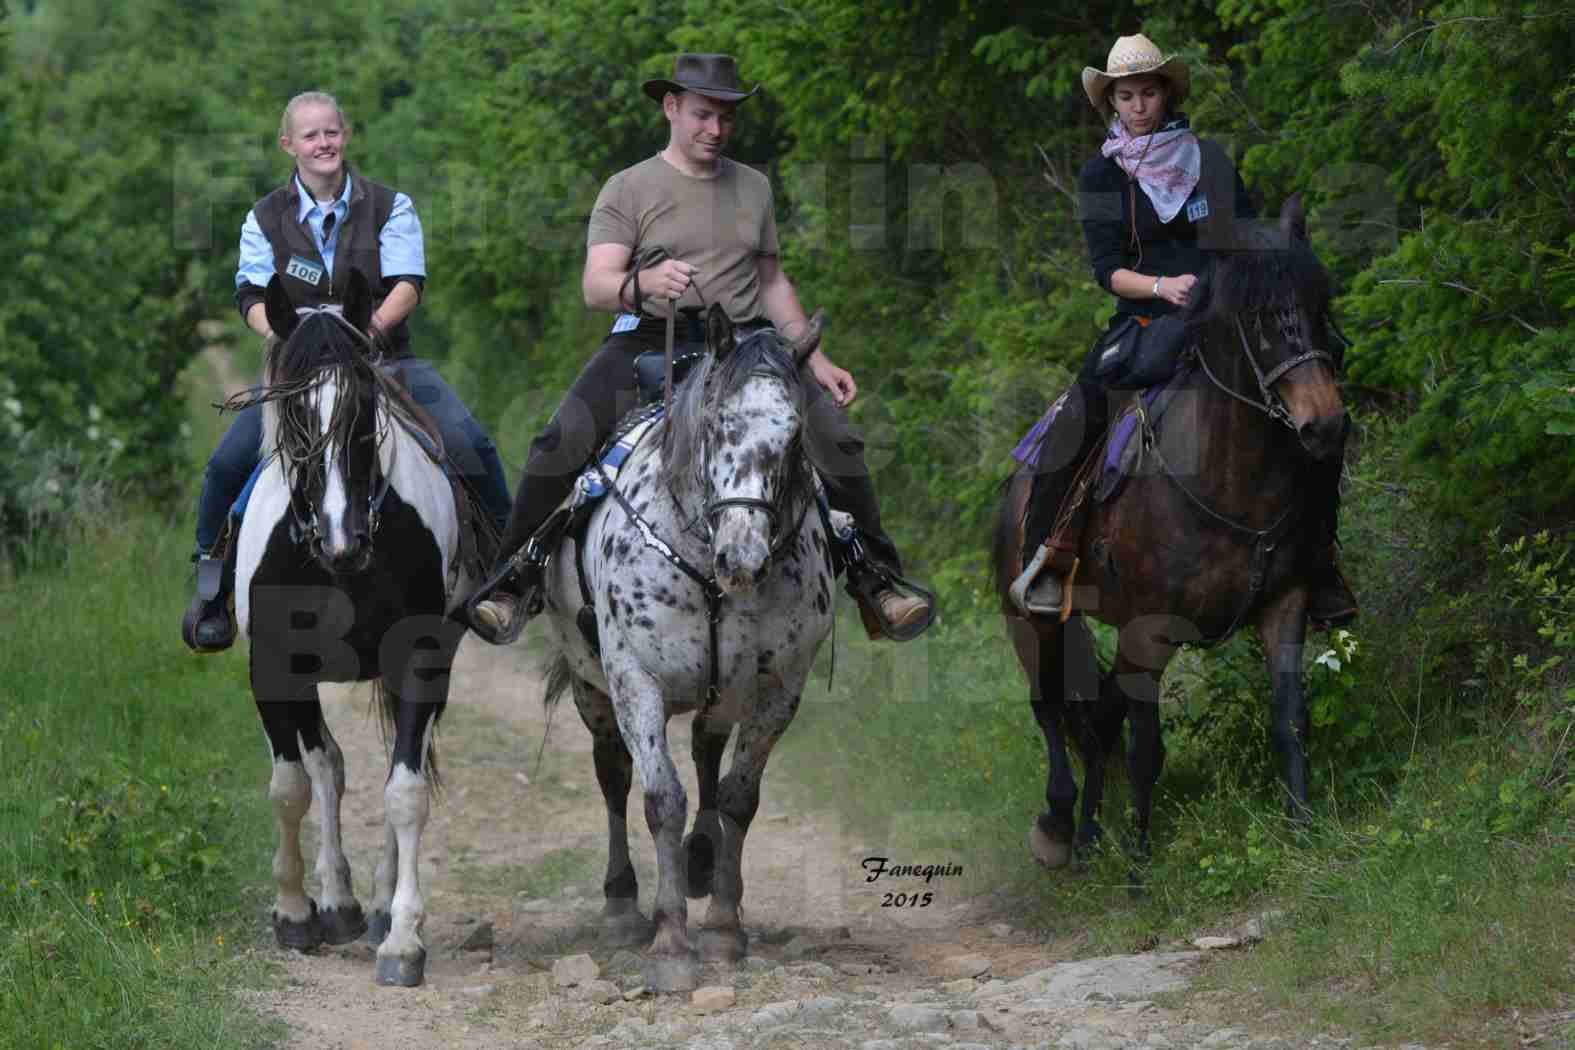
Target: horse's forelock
{"x": 322, "y": 346}
{"x": 711, "y": 382}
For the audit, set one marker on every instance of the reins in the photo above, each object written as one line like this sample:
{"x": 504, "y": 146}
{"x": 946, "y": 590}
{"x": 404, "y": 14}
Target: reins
{"x": 1265, "y": 540}
{"x": 714, "y": 595}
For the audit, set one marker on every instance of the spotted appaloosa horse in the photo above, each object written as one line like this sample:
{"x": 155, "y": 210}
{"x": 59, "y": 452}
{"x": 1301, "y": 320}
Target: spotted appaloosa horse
{"x": 345, "y": 572}
{"x": 1204, "y": 540}
{"x": 711, "y": 591}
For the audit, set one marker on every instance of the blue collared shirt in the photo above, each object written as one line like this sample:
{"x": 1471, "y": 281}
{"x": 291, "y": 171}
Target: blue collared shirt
{"x": 400, "y": 247}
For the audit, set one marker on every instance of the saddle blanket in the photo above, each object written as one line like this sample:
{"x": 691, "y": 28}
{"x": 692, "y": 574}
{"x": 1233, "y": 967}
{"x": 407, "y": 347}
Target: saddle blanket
{"x": 1027, "y": 450}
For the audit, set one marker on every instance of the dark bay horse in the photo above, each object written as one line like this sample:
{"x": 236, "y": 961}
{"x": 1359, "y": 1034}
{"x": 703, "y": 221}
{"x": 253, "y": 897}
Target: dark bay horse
{"x": 707, "y": 578}
{"x": 346, "y": 568}
{"x": 1200, "y": 541}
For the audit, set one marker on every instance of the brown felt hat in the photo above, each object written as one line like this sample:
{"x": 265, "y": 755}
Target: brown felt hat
{"x": 714, "y": 76}
{"x": 1134, "y": 56}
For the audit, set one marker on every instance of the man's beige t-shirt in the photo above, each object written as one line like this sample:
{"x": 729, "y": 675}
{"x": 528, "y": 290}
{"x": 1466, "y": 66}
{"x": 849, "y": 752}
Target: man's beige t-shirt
{"x": 720, "y": 225}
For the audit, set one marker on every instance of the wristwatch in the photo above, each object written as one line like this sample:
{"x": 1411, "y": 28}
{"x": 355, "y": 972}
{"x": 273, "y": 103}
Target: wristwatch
{"x": 1156, "y": 286}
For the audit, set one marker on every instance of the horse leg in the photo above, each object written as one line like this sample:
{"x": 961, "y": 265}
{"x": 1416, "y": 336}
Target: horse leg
{"x": 1141, "y": 657}
{"x": 615, "y": 773}
{"x": 339, "y": 914}
{"x": 402, "y": 957}
{"x": 737, "y": 799}
{"x": 708, "y": 741}
{"x": 381, "y": 918}
{"x": 637, "y": 701}
{"x": 295, "y": 922}
{"x": 1095, "y": 727}
{"x": 1283, "y": 628}
{"x": 1050, "y": 834}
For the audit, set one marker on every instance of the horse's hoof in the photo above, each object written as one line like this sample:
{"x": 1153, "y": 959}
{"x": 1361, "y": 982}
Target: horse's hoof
{"x": 401, "y": 971}
{"x": 726, "y": 946}
{"x": 342, "y": 925}
{"x": 299, "y": 936}
{"x": 628, "y": 928}
{"x": 699, "y": 864}
{"x": 671, "y": 973}
{"x": 1050, "y": 853}
{"x": 377, "y": 927}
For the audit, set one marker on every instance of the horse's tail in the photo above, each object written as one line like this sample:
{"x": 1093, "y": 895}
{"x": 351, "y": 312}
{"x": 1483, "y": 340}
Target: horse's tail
{"x": 386, "y": 705}
{"x": 559, "y": 681}
{"x": 1006, "y": 541}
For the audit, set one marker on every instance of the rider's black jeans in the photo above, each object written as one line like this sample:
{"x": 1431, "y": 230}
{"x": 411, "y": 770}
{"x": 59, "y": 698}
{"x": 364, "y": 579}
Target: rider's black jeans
{"x": 606, "y": 389}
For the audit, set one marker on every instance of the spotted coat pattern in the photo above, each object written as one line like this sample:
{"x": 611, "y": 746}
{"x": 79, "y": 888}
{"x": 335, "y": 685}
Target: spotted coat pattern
{"x": 655, "y": 655}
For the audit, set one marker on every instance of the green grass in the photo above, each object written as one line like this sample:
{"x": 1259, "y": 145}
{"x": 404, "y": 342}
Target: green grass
{"x": 134, "y": 831}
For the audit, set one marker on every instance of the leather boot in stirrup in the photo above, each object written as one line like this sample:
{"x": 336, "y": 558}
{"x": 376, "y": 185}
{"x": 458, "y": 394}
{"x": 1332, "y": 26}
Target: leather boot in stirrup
{"x": 209, "y": 623}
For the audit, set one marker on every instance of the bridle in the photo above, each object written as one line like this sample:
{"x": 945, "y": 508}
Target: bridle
{"x": 305, "y": 525}
{"x": 1264, "y": 540}
{"x": 714, "y": 595}
{"x": 1272, "y": 405}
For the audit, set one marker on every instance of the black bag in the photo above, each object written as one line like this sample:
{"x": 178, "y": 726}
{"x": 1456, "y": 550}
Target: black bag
{"x": 1132, "y": 355}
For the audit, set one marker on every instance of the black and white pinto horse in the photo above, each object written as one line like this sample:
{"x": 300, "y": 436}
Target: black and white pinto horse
{"x": 346, "y": 567}
{"x": 708, "y": 579}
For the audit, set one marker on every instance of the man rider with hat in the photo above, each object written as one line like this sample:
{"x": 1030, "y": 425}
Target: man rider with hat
{"x": 715, "y": 219}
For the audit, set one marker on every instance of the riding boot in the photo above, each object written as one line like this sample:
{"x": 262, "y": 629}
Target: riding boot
{"x": 604, "y": 390}
{"x": 1330, "y": 601}
{"x": 506, "y": 601}
{"x": 1050, "y": 562}
{"x": 873, "y": 565}
{"x": 209, "y": 623}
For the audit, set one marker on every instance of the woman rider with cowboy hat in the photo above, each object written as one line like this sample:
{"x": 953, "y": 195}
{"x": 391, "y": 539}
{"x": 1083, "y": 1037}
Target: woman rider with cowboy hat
{"x": 1143, "y": 200}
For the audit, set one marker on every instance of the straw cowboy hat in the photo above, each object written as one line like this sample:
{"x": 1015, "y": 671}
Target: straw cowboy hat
{"x": 714, "y": 76}
{"x": 1134, "y": 56}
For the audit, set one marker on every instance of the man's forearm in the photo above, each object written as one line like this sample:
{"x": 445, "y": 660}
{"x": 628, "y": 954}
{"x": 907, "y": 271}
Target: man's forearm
{"x": 781, "y": 306}
{"x": 601, "y": 290}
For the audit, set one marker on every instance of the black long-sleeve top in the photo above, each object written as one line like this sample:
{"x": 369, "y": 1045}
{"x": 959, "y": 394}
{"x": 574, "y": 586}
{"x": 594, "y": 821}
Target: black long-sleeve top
{"x": 1106, "y": 199}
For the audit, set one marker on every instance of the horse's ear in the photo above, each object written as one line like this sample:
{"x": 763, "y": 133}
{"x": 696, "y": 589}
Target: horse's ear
{"x": 809, "y": 339}
{"x": 718, "y": 331}
{"x": 357, "y": 307}
{"x": 282, "y": 317}
{"x": 1293, "y": 218}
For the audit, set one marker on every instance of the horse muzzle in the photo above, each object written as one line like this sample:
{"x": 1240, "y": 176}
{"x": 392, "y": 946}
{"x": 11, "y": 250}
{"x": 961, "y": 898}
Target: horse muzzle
{"x": 739, "y": 566}
{"x": 348, "y": 558}
{"x": 1324, "y": 436}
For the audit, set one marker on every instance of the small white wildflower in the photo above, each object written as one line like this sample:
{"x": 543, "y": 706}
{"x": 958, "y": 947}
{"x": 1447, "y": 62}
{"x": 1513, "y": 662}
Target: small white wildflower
{"x": 92, "y": 433}
{"x": 185, "y": 430}
{"x": 1328, "y": 659}
{"x": 94, "y": 413}
{"x": 52, "y": 487}
{"x": 13, "y": 406}
{"x": 117, "y": 446}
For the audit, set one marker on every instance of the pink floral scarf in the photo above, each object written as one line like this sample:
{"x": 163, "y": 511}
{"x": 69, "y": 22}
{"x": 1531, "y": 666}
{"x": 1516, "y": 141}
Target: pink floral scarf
{"x": 1167, "y": 163}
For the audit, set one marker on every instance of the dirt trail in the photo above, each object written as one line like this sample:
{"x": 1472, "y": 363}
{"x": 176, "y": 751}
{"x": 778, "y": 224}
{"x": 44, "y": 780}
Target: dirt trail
{"x": 512, "y": 863}
{"x": 521, "y": 848}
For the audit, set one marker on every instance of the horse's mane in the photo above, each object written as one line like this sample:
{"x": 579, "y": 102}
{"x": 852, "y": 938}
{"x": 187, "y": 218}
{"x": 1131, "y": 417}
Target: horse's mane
{"x": 1247, "y": 282}
{"x": 323, "y": 348}
{"x": 710, "y": 382}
